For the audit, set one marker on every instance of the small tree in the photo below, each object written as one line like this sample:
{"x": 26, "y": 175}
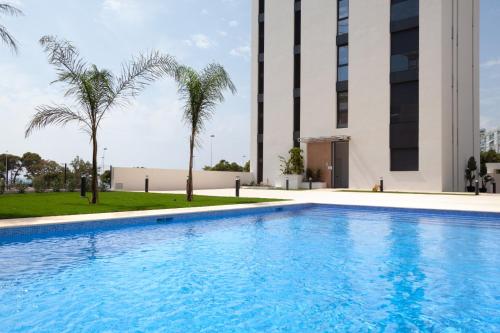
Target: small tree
{"x": 294, "y": 165}
{"x": 94, "y": 91}
{"x": 470, "y": 171}
{"x": 201, "y": 91}
{"x": 485, "y": 178}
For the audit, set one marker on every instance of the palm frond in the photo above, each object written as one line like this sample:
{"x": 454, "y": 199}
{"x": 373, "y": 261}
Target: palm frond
{"x": 7, "y": 9}
{"x": 53, "y": 115}
{"x": 139, "y": 73}
{"x": 201, "y": 92}
{"x": 8, "y": 39}
{"x": 65, "y": 57}
{"x": 5, "y": 36}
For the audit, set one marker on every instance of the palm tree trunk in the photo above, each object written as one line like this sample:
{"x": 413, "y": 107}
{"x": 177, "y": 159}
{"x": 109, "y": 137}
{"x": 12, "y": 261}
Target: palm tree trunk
{"x": 190, "y": 175}
{"x": 94, "y": 167}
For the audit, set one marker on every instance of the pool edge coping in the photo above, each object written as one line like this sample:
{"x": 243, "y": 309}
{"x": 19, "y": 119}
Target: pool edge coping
{"x": 89, "y": 218}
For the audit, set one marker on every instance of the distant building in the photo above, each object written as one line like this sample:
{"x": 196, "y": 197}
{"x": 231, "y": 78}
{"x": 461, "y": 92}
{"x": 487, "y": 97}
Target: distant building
{"x": 482, "y": 139}
{"x": 490, "y": 140}
{"x": 493, "y": 140}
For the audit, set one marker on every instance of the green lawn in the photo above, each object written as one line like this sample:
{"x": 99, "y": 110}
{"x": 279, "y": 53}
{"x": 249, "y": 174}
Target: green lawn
{"x": 52, "y": 204}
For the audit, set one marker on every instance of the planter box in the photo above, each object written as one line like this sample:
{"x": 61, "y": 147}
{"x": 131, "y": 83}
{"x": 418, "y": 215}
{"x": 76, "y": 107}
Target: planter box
{"x": 315, "y": 185}
{"x": 294, "y": 181}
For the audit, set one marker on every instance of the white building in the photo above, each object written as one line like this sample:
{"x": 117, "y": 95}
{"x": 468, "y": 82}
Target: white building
{"x": 368, "y": 89}
{"x": 490, "y": 140}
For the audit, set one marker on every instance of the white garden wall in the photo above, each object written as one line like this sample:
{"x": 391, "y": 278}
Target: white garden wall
{"x": 132, "y": 179}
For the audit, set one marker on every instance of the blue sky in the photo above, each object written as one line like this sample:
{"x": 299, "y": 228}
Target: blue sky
{"x": 150, "y": 132}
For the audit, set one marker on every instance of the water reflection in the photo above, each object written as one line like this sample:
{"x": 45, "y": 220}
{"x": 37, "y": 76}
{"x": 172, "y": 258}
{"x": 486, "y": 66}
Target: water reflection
{"x": 406, "y": 276}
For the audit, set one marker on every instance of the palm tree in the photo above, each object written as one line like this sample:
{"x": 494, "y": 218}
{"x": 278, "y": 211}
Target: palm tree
{"x": 5, "y": 36}
{"x": 201, "y": 92}
{"x": 94, "y": 91}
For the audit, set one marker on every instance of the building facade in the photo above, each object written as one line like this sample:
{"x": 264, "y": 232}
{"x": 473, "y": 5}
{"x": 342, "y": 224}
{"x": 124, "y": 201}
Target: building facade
{"x": 368, "y": 89}
{"x": 490, "y": 140}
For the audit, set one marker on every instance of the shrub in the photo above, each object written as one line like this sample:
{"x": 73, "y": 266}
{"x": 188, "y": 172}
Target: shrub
{"x": 70, "y": 186}
{"x": 318, "y": 175}
{"x": 39, "y": 184}
{"x": 2, "y": 186}
{"x": 56, "y": 185}
{"x": 294, "y": 165}
{"x": 470, "y": 172}
{"x": 103, "y": 187}
{"x": 21, "y": 188}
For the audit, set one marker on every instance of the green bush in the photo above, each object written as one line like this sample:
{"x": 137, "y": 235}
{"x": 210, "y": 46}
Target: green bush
{"x": 103, "y": 187}
{"x": 39, "y": 184}
{"x": 21, "y": 188}
{"x": 2, "y": 186}
{"x": 70, "y": 186}
{"x": 294, "y": 165}
{"x": 56, "y": 185}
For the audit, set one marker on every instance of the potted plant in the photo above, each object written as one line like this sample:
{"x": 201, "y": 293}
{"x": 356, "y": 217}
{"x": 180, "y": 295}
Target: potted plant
{"x": 485, "y": 178}
{"x": 292, "y": 169}
{"x": 470, "y": 173}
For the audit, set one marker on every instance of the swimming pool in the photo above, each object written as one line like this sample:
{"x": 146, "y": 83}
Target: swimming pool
{"x": 306, "y": 268}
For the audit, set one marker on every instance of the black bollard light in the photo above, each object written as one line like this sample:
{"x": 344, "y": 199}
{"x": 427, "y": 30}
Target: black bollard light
{"x": 287, "y": 182}
{"x": 494, "y": 187}
{"x": 146, "y": 184}
{"x": 237, "y": 187}
{"x": 83, "y": 186}
{"x": 477, "y": 187}
{"x": 381, "y": 184}
{"x": 310, "y": 183}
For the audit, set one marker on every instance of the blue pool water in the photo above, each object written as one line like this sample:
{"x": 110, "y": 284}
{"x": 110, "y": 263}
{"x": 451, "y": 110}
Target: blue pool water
{"x": 313, "y": 269}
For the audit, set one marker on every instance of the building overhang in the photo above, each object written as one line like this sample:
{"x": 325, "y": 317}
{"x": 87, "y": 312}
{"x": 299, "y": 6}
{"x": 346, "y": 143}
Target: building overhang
{"x": 335, "y": 138}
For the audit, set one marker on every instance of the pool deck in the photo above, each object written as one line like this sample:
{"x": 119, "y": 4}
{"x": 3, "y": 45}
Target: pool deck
{"x": 442, "y": 201}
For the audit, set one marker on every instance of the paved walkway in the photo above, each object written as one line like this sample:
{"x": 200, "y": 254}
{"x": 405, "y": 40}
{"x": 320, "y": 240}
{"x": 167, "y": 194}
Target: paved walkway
{"x": 470, "y": 202}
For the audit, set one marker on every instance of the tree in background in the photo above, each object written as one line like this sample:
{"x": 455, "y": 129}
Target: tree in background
{"x": 5, "y": 36}
{"x": 13, "y": 166}
{"x": 490, "y": 157}
{"x": 224, "y": 165}
{"x": 201, "y": 92}
{"x": 95, "y": 91}
{"x": 32, "y": 164}
{"x": 246, "y": 167}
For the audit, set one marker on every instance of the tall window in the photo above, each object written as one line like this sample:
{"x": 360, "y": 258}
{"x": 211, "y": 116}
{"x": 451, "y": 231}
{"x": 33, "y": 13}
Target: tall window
{"x": 343, "y": 17}
{"x": 404, "y": 50}
{"x": 404, "y": 112}
{"x": 296, "y": 73}
{"x": 260, "y": 96}
{"x": 342, "y": 62}
{"x": 342, "y": 103}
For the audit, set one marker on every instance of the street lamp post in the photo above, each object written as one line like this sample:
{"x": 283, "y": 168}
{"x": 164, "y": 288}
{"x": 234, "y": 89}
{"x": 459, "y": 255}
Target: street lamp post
{"x": 6, "y": 169}
{"x": 211, "y": 150}
{"x": 103, "y": 154}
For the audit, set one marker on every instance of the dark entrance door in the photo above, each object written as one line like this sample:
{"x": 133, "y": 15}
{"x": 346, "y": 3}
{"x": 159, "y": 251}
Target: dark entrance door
{"x": 341, "y": 164}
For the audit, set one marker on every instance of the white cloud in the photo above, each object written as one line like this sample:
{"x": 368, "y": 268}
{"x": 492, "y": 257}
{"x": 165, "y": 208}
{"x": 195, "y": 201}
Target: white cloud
{"x": 222, "y": 33}
{"x": 233, "y": 23}
{"x": 491, "y": 63}
{"x": 131, "y": 11}
{"x": 204, "y": 11}
{"x": 200, "y": 41}
{"x": 241, "y": 51}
